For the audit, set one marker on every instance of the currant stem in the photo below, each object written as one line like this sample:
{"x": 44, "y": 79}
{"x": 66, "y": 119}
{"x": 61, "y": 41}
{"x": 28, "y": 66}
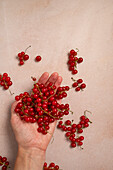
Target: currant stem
{"x": 77, "y": 50}
{"x": 49, "y": 114}
{"x": 27, "y": 48}
{"x": 85, "y": 114}
{"x": 71, "y": 111}
{"x": 3, "y": 163}
{"x": 39, "y": 90}
{"x": 73, "y": 79}
{"x": 81, "y": 148}
{"x": 52, "y": 138}
{"x": 10, "y": 92}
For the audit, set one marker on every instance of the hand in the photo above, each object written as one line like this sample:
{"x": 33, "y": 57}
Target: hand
{"x": 26, "y": 134}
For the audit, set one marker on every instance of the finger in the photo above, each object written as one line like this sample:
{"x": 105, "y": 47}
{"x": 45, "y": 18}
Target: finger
{"x": 13, "y": 107}
{"x": 14, "y": 117}
{"x": 43, "y": 79}
{"x": 53, "y": 78}
{"x": 58, "y": 81}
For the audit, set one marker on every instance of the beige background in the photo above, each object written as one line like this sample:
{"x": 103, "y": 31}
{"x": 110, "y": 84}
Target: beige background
{"x": 53, "y": 27}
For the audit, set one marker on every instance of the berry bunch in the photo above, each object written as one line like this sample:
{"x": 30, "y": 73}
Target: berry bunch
{"x": 73, "y": 130}
{"x": 61, "y": 92}
{"x": 5, "y": 81}
{"x": 51, "y": 166}
{"x": 38, "y": 58}
{"x": 73, "y": 61}
{"x": 4, "y": 163}
{"x": 23, "y": 56}
{"x": 41, "y": 106}
{"x": 78, "y": 84}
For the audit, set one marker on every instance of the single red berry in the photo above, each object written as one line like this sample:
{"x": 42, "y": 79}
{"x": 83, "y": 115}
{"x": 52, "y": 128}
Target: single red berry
{"x": 82, "y": 122}
{"x": 86, "y": 120}
{"x": 7, "y": 79}
{"x": 73, "y": 130}
{"x": 74, "y": 72}
{"x": 51, "y": 164}
{"x": 82, "y": 117}
{"x": 68, "y": 122}
{"x": 71, "y": 68}
{"x": 6, "y": 87}
{"x": 9, "y": 83}
{"x": 21, "y": 63}
{"x": 4, "y": 167}
{"x": 38, "y": 58}
{"x": 79, "y": 126}
{"x": 5, "y": 75}
{"x": 26, "y": 57}
{"x": 77, "y": 89}
{"x": 73, "y": 145}
{"x": 22, "y": 53}
{"x": 56, "y": 167}
{"x": 80, "y": 60}
{"x": 75, "y": 84}
{"x": 81, "y": 137}
{"x": 86, "y": 125}
{"x": 19, "y": 55}
{"x": 80, "y": 143}
{"x": 4, "y": 159}
{"x": 79, "y": 81}
{"x": 83, "y": 86}
{"x": 68, "y": 134}
{"x": 45, "y": 164}
{"x": 74, "y": 125}
{"x": 34, "y": 79}
{"x": 80, "y": 131}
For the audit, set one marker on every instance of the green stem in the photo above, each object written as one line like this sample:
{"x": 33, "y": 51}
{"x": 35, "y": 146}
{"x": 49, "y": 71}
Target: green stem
{"x": 27, "y": 48}
{"x": 85, "y": 114}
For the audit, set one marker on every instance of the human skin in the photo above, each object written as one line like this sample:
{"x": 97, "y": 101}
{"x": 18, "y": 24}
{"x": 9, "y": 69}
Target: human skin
{"x": 32, "y": 145}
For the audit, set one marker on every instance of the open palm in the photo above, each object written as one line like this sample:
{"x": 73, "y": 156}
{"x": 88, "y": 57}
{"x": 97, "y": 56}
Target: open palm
{"x": 26, "y": 133}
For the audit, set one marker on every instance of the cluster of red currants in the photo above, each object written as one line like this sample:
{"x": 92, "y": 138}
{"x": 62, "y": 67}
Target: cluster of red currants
{"x": 73, "y": 61}
{"x": 78, "y": 84}
{"x": 51, "y": 166}
{"x": 41, "y": 105}
{"x": 73, "y": 130}
{"x": 4, "y": 163}
{"x": 5, "y": 81}
{"x": 22, "y": 56}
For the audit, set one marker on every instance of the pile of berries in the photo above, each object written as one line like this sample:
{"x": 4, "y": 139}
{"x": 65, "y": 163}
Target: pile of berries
{"x": 51, "y": 166}
{"x": 5, "y": 81}
{"x": 41, "y": 105}
{"x": 73, "y": 130}
{"x": 73, "y": 61}
{"x": 23, "y": 56}
{"x": 78, "y": 84}
{"x": 4, "y": 163}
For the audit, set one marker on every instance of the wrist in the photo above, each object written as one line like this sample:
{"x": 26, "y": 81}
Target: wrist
{"x": 32, "y": 158}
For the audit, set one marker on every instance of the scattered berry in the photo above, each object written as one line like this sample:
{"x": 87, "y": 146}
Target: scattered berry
{"x": 38, "y": 58}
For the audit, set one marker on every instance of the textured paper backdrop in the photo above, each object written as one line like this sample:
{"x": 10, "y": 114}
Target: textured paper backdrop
{"x": 52, "y": 28}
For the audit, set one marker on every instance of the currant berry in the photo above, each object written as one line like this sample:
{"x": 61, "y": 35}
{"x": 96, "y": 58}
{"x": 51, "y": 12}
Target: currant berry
{"x": 38, "y": 58}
